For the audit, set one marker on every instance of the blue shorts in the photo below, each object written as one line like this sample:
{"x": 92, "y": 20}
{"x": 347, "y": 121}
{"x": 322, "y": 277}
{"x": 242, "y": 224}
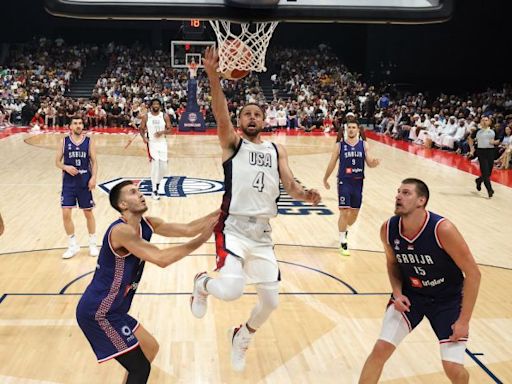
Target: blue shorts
{"x": 111, "y": 336}
{"x": 441, "y": 312}
{"x": 71, "y": 195}
{"x": 350, "y": 193}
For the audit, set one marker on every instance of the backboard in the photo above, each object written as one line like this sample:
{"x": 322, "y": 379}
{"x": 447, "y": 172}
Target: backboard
{"x": 184, "y": 51}
{"x": 352, "y": 11}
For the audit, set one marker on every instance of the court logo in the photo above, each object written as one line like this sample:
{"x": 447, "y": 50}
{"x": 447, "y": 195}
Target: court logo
{"x": 173, "y": 186}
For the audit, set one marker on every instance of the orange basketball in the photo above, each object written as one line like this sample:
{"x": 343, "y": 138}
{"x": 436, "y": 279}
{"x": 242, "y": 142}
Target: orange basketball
{"x": 234, "y": 50}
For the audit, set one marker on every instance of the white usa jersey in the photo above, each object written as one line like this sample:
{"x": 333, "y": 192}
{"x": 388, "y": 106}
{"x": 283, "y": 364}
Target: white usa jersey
{"x": 251, "y": 179}
{"x": 155, "y": 124}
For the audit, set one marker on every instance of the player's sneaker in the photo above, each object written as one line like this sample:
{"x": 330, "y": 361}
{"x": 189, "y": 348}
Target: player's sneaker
{"x": 344, "y": 251}
{"x": 93, "y": 250}
{"x": 198, "y": 300}
{"x": 154, "y": 196}
{"x": 71, "y": 251}
{"x": 240, "y": 338}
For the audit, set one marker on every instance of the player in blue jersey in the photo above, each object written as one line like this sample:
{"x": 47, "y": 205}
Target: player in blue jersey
{"x": 102, "y": 312}
{"x": 76, "y": 157}
{"x": 352, "y": 154}
{"x": 433, "y": 274}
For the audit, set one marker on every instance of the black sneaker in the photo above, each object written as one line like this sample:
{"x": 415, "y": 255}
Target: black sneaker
{"x": 478, "y": 185}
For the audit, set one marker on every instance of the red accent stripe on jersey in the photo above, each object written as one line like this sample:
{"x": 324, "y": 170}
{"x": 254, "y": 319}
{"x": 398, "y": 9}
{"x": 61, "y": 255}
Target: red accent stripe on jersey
{"x": 77, "y": 144}
{"x": 436, "y": 233}
{"x": 407, "y": 321}
{"x": 413, "y": 239}
{"x": 106, "y": 304}
{"x": 220, "y": 246}
{"x": 148, "y": 222}
{"x": 119, "y": 353}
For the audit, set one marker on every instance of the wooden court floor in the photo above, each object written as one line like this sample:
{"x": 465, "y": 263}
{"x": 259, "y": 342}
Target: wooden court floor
{"x": 330, "y": 307}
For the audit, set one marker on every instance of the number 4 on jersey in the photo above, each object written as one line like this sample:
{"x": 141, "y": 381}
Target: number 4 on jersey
{"x": 258, "y": 182}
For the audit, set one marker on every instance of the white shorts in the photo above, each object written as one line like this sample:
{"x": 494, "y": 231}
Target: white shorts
{"x": 249, "y": 239}
{"x": 157, "y": 150}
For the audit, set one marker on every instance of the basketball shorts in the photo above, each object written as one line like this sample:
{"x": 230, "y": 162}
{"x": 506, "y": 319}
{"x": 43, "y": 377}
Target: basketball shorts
{"x": 111, "y": 336}
{"x": 249, "y": 238}
{"x": 70, "y": 196}
{"x": 441, "y": 313}
{"x": 157, "y": 150}
{"x": 350, "y": 193}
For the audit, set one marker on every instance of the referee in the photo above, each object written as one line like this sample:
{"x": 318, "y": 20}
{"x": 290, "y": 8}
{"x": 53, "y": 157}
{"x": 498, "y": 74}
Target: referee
{"x": 485, "y": 152}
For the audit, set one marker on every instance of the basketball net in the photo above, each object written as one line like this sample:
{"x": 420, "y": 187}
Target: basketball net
{"x": 254, "y": 37}
{"x": 192, "y": 69}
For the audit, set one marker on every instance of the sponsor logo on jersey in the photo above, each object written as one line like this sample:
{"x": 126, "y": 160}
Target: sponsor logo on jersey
{"x": 415, "y": 282}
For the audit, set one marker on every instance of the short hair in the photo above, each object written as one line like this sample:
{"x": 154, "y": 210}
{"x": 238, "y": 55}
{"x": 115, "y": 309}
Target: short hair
{"x": 421, "y": 188}
{"x": 115, "y": 193}
{"x": 256, "y": 104}
{"x": 76, "y": 117}
{"x": 157, "y": 100}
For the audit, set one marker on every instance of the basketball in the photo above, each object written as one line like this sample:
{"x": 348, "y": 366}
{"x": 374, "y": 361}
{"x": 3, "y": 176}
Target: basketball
{"x": 234, "y": 50}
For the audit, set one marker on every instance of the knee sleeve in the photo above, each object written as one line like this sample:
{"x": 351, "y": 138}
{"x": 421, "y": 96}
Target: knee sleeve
{"x": 268, "y": 300}
{"x": 137, "y": 365}
{"x": 227, "y": 288}
{"x": 230, "y": 284}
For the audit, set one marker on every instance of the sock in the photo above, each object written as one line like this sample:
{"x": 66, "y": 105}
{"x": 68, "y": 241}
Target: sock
{"x": 72, "y": 240}
{"x": 92, "y": 239}
{"x": 343, "y": 237}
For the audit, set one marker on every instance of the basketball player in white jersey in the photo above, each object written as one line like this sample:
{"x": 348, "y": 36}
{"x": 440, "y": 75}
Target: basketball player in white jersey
{"x": 252, "y": 170}
{"x": 153, "y": 128}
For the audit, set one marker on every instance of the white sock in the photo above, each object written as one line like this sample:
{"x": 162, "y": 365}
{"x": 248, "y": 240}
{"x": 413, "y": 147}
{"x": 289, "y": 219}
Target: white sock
{"x": 343, "y": 237}
{"x": 72, "y": 241}
{"x": 92, "y": 239}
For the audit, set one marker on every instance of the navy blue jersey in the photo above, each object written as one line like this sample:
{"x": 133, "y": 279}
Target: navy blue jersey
{"x": 77, "y": 155}
{"x": 425, "y": 266}
{"x": 116, "y": 278}
{"x": 351, "y": 160}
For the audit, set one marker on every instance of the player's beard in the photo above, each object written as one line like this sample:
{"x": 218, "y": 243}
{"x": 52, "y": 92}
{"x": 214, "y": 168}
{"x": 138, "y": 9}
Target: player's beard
{"x": 155, "y": 110}
{"x": 251, "y": 131}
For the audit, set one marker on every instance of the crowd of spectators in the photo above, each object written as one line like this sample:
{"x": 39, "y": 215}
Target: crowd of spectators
{"x": 312, "y": 89}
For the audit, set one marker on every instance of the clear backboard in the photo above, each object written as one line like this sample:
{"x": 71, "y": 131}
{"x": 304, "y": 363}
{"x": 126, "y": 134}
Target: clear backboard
{"x": 354, "y": 11}
{"x": 183, "y": 52}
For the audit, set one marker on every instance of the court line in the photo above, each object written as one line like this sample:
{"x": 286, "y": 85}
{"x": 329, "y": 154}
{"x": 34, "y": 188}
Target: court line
{"x": 482, "y": 365}
{"x": 471, "y": 354}
{"x": 63, "y": 290}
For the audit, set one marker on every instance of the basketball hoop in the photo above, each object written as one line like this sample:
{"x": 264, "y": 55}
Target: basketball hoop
{"x": 192, "y": 69}
{"x": 254, "y": 39}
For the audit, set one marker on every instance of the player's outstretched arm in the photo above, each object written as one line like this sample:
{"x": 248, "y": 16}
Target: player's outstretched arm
{"x": 124, "y": 236}
{"x": 370, "y": 161}
{"x": 332, "y": 164}
{"x": 401, "y": 302}
{"x": 190, "y": 229}
{"x": 455, "y": 245}
{"x": 291, "y": 186}
{"x": 143, "y": 129}
{"x": 227, "y": 136}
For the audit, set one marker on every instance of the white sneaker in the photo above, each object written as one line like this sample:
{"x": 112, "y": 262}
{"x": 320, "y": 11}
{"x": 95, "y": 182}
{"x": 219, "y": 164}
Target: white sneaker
{"x": 71, "y": 251}
{"x": 93, "y": 250}
{"x": 240, "y": 338}
{"x": 198, "y": 300}
{"x": 154, "y": 196}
